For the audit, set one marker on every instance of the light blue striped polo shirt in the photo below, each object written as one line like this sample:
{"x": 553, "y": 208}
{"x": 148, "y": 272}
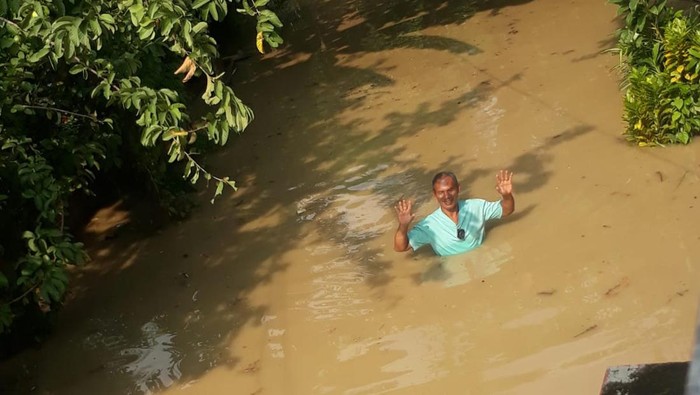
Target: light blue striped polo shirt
{"x": 438, "y": 230}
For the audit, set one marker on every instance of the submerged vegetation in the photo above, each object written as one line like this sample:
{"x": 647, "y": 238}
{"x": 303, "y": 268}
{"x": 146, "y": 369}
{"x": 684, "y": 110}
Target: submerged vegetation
{"x": 659, "y": 51}
{"x": 88, "y": 92}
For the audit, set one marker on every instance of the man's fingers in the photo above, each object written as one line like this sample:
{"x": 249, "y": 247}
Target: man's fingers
{"x": 504, "y": 175}
{"x": 403, "y": 206}
{"x": 403, "y": 202}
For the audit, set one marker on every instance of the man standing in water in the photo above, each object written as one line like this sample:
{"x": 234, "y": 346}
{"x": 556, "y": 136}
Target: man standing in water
{"x": 458, "y": 225}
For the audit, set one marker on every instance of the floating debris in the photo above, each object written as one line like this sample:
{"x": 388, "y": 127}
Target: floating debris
{"x": 589, "y": 329}
{"x": 615, "y": 289}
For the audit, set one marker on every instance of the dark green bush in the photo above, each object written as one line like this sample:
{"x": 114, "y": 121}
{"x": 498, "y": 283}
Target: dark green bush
{"x": 660, "y": 57}
{"x": 87, "y": 90}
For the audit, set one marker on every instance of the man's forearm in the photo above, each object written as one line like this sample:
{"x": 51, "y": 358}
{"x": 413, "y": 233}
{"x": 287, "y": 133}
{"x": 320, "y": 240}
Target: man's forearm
{"x": 507, "y": 205}
{"x": 401, "y": 238}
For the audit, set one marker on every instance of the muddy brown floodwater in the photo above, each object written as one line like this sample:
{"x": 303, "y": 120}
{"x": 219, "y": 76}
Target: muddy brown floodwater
{"x": 290, "y": 285}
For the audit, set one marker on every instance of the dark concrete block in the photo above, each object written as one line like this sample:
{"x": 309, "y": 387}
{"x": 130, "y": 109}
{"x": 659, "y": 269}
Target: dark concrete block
{"x": 650, "y": 379}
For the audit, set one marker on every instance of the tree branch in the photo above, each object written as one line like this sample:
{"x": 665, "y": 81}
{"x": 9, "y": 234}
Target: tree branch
{"x": 27, "y": 292}
{"x": 9, "y": 22}
{"x": 46, "y": 108}
{"x": 200, "y": 168}
{"x": 93, "y": 71}
{"x": 197, "y": 129}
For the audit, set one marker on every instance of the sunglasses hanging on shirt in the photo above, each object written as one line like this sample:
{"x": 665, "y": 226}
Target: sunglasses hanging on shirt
{"x": 461, "y": 234}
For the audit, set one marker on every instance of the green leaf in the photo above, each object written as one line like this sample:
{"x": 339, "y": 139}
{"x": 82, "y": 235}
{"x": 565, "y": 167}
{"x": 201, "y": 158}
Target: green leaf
{"x": 209, "y": 89}
{"x": 247, "y": 9}
{"x": 188, "y": 169}
{"x": 32, "y": 245}
{"x": 272, "y": 17}
{"x": 54, "y": 293}
{"x": 77, "y": 69}
{"x": 52, "y": 232}
{"x": 187, "y": 33}
{"x": 62, "y": 22}
{"x": 199, "y": 3}
{"x": 136, "y": 11}
{"x": 199, "y": 27}
{"x": 3, "y": 280}
{"x": 6, "y": 42}
{"x": 273, "y": 39}
{"x": 44, "y": 292}
{"x": 136, "y": 101}
{"x": 174, "y": 151}
{"x": 145, "y": 33}
{"x": 265, "y": 27}
{"x": 214, "y": 11}
{"x": 69, "y": 49}
{"x": 261, "y": 3}
{"x": 106, "y": 18}
{"x": 6, "y": 317}
{"x": 678, "y": 103}
{"x": 175, "y": 113}
{"x": 147, "y": 134}
{"x": 12, "y": 29}
{"x": 229, "y": 115}
{"x": 169, "y": 134}
{"x": 95, "y": 27}
{"x": 224, "y": 135}
{"x": 37, "y": 56}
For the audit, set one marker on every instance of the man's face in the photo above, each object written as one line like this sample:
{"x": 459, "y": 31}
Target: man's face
{"x": 446, "y": 192}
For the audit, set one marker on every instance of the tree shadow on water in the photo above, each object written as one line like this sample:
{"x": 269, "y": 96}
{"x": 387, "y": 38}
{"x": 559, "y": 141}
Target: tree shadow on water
{"x": 531, "y": 168}
{"x": 354, "y": 28}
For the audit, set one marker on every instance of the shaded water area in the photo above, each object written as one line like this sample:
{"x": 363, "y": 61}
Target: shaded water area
{"x": 290, "y": 285}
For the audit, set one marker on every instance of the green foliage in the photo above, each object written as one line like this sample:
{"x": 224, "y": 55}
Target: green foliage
{"x": 660, "y": 56}
{"x": 88, "y": 88}
{"x": 641, "y": 19}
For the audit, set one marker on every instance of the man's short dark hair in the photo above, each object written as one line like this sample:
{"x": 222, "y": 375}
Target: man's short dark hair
{"x": 439, "y": 176}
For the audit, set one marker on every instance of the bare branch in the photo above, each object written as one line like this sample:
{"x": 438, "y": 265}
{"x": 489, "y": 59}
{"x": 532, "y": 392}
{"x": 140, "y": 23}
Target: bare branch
{"x": 17, "y": 299}
{"x": 192, "y": 131}
{"x": 75, "y": 114}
